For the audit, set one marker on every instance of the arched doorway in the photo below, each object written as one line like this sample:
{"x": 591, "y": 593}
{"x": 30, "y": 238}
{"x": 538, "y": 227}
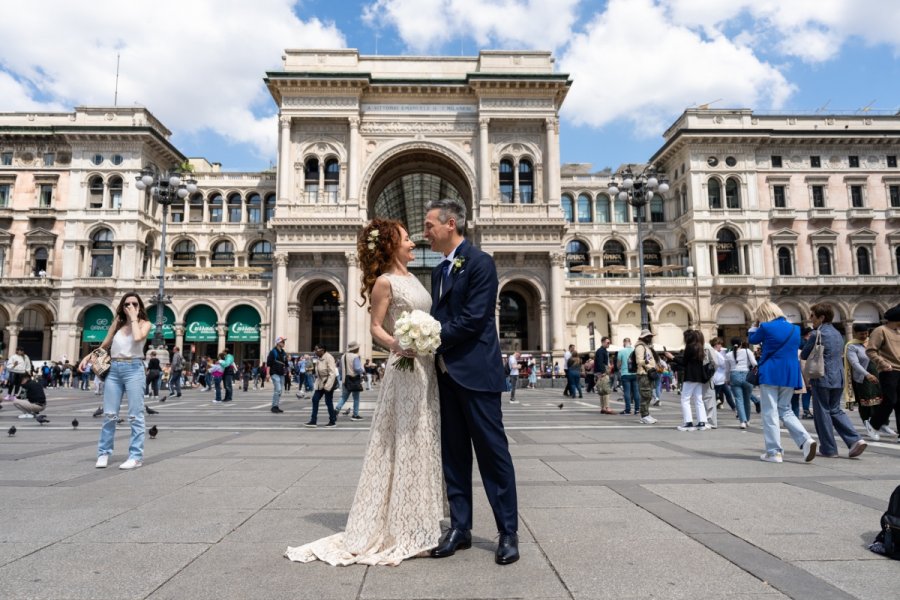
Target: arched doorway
{"x": 243, "y": 333}
{"x": 320, "y": 318}
{"x": 400, "y": 188}
{"x": 672, "y": 321}
{"x": 34, "y": 336}
{"x": 95, "y": 324}
{"x": 599, "y": 316}
{"x": 732, "y": 321}
{"x": 519, "y": 317}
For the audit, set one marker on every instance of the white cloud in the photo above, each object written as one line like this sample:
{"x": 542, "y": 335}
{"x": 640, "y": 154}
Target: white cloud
{"x": 426, "y": 25}
{"x": 196, "y": 65}
{"x": 633, "y": 63}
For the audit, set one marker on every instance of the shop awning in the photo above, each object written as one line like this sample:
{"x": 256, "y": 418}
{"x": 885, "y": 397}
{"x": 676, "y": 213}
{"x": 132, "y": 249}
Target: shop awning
{"x": 243, "y": 324}
{"x": 200, "y": 325}
{"x": 97, "y": 320}
{"x": 168, "y": 322}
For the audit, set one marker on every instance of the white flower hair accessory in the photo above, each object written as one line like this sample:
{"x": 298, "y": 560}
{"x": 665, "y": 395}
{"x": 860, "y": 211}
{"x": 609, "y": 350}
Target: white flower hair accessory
{"x": 372, "y": 239}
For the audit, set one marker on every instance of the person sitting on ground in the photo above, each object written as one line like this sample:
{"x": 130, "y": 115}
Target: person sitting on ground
{"x": 33, "y": 400}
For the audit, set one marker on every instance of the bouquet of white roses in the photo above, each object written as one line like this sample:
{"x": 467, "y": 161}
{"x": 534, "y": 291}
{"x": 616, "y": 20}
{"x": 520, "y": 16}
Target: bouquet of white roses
{"x": 419, "y": 331}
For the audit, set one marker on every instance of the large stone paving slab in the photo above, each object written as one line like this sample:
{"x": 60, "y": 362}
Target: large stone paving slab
{"x": 166, "y": 524}
{"x": 877, "y": 488}
{"x": 864, "y": 579}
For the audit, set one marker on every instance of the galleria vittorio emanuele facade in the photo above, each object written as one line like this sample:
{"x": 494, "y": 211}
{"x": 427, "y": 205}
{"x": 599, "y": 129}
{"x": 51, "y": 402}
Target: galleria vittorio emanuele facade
{"x": 796, "y": 208}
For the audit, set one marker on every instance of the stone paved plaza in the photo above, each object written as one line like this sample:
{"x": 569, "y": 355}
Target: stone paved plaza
{"x": 609, "y": 509}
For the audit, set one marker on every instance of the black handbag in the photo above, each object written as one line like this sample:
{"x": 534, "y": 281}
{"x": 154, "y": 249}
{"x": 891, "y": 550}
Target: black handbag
{"x": 353, "y": 383}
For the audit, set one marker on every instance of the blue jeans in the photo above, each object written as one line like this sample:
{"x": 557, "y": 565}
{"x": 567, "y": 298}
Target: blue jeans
{"x": 309, "y": 382}
{"x": 228, "y": 384}
{"x": 830, "y": 417}
{"x": 723, "y": 390}
{"x": 344, "y": 395}
{"x": 278, "y": 384}
{"x": 742, "y": 392}
{"x": 329, "y": 395}
{"x": 124, "y": 378}
{"x": 775, "y": 402}
{"x": 632, "y": 393}
{"x": 217, "y": 381}
{"x": 574, "y": 379}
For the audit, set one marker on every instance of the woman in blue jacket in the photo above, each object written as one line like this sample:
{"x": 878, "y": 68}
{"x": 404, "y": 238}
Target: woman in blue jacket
{"x": 779, "y": 376}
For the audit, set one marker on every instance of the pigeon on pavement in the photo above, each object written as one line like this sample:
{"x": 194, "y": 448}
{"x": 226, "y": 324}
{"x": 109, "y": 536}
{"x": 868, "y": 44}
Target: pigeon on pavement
{"x": 12, "y": 431}
{"x": 74, "y": 423}
{"x": 153, "y": 431}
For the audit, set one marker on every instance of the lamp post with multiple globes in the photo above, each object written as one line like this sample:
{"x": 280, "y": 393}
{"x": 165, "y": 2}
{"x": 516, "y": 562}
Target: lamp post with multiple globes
{"x": 164, "y": 188}
{"x": 638, "y": 190}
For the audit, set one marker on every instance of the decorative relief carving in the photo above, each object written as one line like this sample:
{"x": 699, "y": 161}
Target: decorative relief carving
{"x": 281, "y": 259}
{"x": 354, "y": 122}
{"x": 285, "y": 122}
{"x": 320, "y": 101}
{"x": 558, "y": 259}
{"x": 410, "y": 128}
{"x": 532, "y": 103}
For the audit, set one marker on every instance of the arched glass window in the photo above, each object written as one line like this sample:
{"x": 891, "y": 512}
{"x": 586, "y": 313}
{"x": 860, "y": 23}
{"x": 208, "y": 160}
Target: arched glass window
{"x": 614, "y": 259}
{"x": 95, "y": 192}
{"x": 577, "y": 254}
{"x": 506, "y": 181}
{"x": 584, "y": 208}
{"x": 311, "y": 176}
{"x": 785, "y": 263}
{"x": 727, "y": 253}
{"x": 526, "y": 182}
{"x": 261, "y": 254}
{"x": 270, "y": 207}
{"x": 332, "y": 183}
{"x": 234, "y": 208}
{"x": 732, "y": 193}
{"x": 863, "y": 263}
{"x": 714, "y": 192}
{"x": 326, "y": 319}
{"x": 684, "y": 199}
{"x": 223, "y": 254}
{"x": 196, "y": 208}
{"x": 823, "y": 256}
{"x": 656, "y": 210}
{"x": 102, "y": 253}
{"x": 601, "y": 209}
{"x": 254, "y": 208}
{"x": 513, "y": 321}
{"x": 568, "y": 208}
{"x": 41, "y": 256}
{"x": 652, "y": 258}
{"x": 621, "y": 209}
{"x": 184, "y": 253}
{"x": 115, "y": 192}
{"x": 216, "y": 204}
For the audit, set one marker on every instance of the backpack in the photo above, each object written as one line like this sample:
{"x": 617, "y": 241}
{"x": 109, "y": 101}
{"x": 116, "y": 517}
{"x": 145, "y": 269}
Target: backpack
{"x": 632, "y": 362}
{"x": 888, "y": 540}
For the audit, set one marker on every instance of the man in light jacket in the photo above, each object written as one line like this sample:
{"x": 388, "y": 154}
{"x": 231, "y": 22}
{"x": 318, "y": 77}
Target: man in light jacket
{"x": 352, "y": 374}
{"x": 326, "y": 378}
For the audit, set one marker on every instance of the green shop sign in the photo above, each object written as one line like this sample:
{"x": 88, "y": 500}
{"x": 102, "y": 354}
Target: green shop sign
{"x": 168, "y": 322}
{"x": 97, "y": 320}
{"x": 201, "y": 325}
{"x": 243, "y": 324}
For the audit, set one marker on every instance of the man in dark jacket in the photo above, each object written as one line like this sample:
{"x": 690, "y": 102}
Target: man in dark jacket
{"x": 32, "y": 400}
{"x": 277, "y": 366}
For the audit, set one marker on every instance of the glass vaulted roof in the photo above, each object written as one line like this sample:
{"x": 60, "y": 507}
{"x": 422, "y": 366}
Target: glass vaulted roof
{"x": 405, "y": 198}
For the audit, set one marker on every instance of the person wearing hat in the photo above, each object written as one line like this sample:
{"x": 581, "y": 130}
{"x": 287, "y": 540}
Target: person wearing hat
{"x": 277, "y": 365}
{"x": 352, "y": 374}
{"x": 884, "y": 351}
{"x": 646, "y": 361}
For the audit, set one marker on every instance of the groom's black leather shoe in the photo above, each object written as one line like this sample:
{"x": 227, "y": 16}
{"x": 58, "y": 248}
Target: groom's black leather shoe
{"x": 507, "y": 549}
{"x": 454, "y": 539}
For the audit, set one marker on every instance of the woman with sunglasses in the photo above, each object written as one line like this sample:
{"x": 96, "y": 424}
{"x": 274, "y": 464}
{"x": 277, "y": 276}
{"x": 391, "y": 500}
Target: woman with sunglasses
{"x": 125, "y": 341}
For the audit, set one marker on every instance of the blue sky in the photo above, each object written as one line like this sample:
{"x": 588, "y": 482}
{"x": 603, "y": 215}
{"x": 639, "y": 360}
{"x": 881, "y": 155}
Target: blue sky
{"x": 636, "y": 64}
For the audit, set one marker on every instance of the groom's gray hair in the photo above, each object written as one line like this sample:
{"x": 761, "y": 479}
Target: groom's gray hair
{"x": 450, "y": 207}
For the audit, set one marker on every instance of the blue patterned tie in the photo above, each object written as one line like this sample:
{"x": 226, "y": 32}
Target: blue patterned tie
{"x": 445, "y": 283}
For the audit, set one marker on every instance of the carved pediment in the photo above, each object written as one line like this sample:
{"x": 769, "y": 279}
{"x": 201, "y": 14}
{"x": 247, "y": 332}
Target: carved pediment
{"x": 39, "y": 235}
{"x": 863, "y": 235}
{"x": 784, "y": 235}
{"x": 824, "y": 234}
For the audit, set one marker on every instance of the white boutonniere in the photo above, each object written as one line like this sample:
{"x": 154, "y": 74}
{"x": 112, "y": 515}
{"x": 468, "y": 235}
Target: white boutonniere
{"x": 458, "y": 263}
{"x": 373, "y": 239}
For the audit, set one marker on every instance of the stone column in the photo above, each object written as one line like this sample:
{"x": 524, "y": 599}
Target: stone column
{"x": 284, "y": 161}
{"x": 353, "y": 284}
{"x": 353, "y": 162}
{"x": 47, "y": 344}
{"x": 516, "y": 196}
{"x": 222, "y": 329}
{"x": 552, "y": 161}
{"x": 179, "y": 336}
{"x": 557, "y": 288}
{"x": 545, "y": 326}
{"x": 292, "y": 329}
{"x": 13, "y": 329}
{"x": 484, "y": 160}
{"x": 279, "y": 310}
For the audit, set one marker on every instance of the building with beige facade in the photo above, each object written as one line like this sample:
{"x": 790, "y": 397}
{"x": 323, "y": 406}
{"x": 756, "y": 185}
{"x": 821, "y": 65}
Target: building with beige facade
{"x": 797, "y": 208}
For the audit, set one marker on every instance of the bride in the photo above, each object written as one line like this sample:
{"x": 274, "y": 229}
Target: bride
{"x": 398, "y": 505}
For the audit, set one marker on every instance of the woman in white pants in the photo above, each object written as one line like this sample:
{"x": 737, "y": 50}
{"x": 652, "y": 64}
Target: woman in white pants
{"x": 692, "y": 388}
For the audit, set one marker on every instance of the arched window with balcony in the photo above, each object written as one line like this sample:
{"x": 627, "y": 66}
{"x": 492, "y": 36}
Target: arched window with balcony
{"x": 526, "y": 182}
{"x": 601, "y": 209}
{"x": 270, "y": 208}
{"x": 95, "y": 192}
{"x": 216, "y": 206}
{"x": 732, "y": 193}
{"x": 568, "y": 208}
{"x": 102, "y": 253}
{"x": 254, "y": 208}
{"x": 727, "y": 253}
{"x": 41, "y": 258}
{"x": 714, "y": 193}
{"x": 614, "y": 260}
{"x": 184, "y": 254}
{"x": 621, "y": 210}
{"x": 115, "y": 192}
{"x": 684, "y": 199}
{"x": 785, "y": 262}
{"x": 196, "y": 208}
{"x": 657, "y": 214}
{"x": 223, "y": 254}
{"x": 261, "y": 254}
{"x": 332, "y": 183}
{"x": 863, "y": 261}
{"x": 234, "y": 208}
{"x": 584, "y": 208}
{"x": 311, "y": 177}
{"x": 652, "y": 258}
{"x": 577, "y": 255}
{"x": 823, "y": 258}
{"x": 507, "y": 179}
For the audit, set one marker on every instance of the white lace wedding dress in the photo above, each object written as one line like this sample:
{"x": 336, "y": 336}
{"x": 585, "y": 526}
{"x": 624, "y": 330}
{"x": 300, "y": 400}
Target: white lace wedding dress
{"x": 398, "y": 506}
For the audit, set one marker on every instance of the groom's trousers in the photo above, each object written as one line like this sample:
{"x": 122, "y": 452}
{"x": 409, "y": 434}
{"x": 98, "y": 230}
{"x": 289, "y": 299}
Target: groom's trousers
{"x": 470, "y": 418}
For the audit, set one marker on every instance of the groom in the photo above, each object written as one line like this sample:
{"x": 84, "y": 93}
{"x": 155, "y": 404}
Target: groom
{"x": 470, "y": 379}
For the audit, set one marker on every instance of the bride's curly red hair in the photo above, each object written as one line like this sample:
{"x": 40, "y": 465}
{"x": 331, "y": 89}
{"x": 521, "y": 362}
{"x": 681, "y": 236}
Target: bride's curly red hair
{"x": 376, "y": 251}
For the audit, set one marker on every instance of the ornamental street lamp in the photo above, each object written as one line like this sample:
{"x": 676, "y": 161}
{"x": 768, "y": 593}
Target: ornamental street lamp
{"x": 164, "y": 188}
{"x": 638, "y": 190}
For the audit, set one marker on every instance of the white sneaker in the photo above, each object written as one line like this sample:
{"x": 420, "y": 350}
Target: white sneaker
{"x": 887, "y": 430}
{"x": 26, "y": 416}
{"x": 870, "y": 431}
{"x": 743, "y": 425}
{"x": 648, "y": 420}
{"x": 809, "y": 449}
{"x": 775, "y": 458}
{"x": 513, "y": 401}
{"x": 102, "y": 461}
{"x": 686, "y": 427}
{"x": 130, "y": 464}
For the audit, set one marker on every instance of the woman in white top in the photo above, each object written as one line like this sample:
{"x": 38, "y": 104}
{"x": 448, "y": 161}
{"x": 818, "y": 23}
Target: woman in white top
{"x": 125, "y": 340}
{"x": 739, "y": 361}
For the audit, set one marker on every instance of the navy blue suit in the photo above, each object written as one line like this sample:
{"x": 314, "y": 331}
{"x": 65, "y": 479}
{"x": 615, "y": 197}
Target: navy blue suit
{"x": 470, "y": 389}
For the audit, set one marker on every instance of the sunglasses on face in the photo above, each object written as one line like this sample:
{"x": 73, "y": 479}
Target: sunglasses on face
{"x": 132, "y": 304}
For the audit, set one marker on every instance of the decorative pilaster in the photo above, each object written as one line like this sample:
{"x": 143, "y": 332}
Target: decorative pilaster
{"x": 553, "y": 184}
{"x": 222, "y": 330}
{"x": 484, "y": 160}
{"x": 353, "y": 162}
{"x": 279, "y": 311}
{"x": 557, "y": 289}
{"x": 284, "y": 161}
